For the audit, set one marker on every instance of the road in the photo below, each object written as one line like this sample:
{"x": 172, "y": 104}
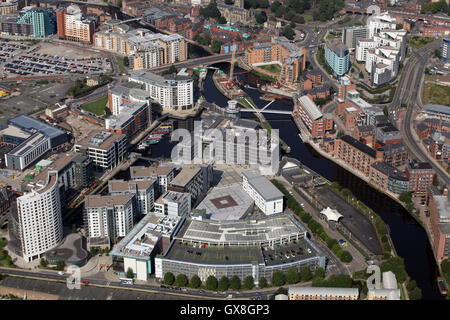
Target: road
{"x": 408, "y": 92}
{"x": 49, "y": 275}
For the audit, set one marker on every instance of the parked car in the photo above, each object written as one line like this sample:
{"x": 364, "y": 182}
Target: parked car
{"x": 60, "y": 273}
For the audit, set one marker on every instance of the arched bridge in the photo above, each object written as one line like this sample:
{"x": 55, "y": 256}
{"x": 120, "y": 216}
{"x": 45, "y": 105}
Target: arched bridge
{"x": 226, "y": 57}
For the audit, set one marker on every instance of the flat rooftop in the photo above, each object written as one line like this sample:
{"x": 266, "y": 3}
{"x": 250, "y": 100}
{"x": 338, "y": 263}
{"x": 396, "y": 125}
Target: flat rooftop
{"x": 227, "y": 203}
{"x": 262, "y": 185}
{"x": 26, "y": 146}
{"x": 107, "y": 201}
{"x": 99, "y": 139}
{"x": 141, "y": 240}
{"x": 185, "y": 176}
{"x": 27, "y": 123}
{"x": 140, "y": 172}
{"x": 262, "y": 230}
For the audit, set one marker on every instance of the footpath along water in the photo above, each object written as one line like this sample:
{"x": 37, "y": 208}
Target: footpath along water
{"x": 409, "y": 238}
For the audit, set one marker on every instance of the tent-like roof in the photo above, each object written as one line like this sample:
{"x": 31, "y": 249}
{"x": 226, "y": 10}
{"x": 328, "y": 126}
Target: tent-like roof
{"x": 331, "y": 214}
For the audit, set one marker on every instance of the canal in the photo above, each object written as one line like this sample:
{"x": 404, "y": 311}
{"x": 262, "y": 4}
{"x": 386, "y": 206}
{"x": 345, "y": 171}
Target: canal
{"x": 409, "y": 238}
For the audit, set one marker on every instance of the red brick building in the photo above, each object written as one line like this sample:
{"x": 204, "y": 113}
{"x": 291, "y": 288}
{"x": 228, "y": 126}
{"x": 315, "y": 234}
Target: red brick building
{"x": 439, "y": 206}
{"x": 312, "y": 117}
{"x": 356, "y": 154}
{"x": 420, "y": 175}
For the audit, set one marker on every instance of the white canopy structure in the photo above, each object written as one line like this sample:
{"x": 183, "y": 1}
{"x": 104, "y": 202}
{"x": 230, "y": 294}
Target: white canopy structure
{"x": 331, "y": 214}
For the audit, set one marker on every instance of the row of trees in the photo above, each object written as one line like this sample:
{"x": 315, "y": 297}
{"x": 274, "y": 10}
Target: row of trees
{"x": 278, "y": 279}
{"x": 315, "y": 227}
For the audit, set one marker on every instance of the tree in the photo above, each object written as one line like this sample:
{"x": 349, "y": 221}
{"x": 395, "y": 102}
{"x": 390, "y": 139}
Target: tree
{"x": 169, "y": 278}
{"x": 222, "y": 20}
{"x": 181, "y": 280}
{"x": 126, "y": 62}
{"x": 172, "y": 69}
{"x": 405, "y": 197}
{"x": 345, "y": 256}
{"x": 278, "y": 279}
{"x": 274, "y": 6}
{"x": 435, "y": 180}
{"x": 397, "y": 266}
{"x": 320, "y": 273}
{"x": 386, "y": 111}
{"x": 210, "y": 11}
{"x": 224, "y": 284}
{"x": 130, "y": 273}
{"x": 305, "y": 274}
{"x": 211, "y": 283}
{"x": 288, "y": 32}
{"x": 43, "y": 263}
{"x": 292, "y": 276}
{"x": 235, "y": 283}
{"x": 263, "y": 283}
{"x": 299, "y": 19}
{"x": 195, "y": 282}
{"x": 60, "y": 265}
{"x": 216, "y": 45}
{"x": 261, "y": 17}
{"x": 249, "y": 283}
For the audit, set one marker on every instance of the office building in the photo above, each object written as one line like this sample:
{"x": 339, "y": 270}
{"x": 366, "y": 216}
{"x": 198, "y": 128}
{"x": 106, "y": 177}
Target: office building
{"x": 266, "y": 196}
{"x": 42, "y": 20}
{"x": 312, "y": 117}
{"x": 27, "y": 152}
{"x": 39, "y": 218}
{"x": 173, "y": 204}
{"x": 57, "y": 136}
{"x": 351, "y": 35}
{"x": 173, "y": 92}
{"x": 74, "y": 26}
{"x": 322, "y": 293}
{"x": 133, "y": 117}
{"x": 10, "y": 6}
{"x": 189, "y": 180}
{"x": 151, "y": 236}
{"x": 437, "y": 111}
{"x": 142, "y": 190}
{"x": 109, "y": 216}
{"x": 106, "y": 149}
{"x": 163, "y": 176}
{"x": 239, "y": 248}
{"x": 337, "y": 57}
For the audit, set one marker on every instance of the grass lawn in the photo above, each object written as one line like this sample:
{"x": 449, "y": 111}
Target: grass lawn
{"x": 267, "y": 126}
{"x": 97, "y": 106}
{"x": 273, "y": 68}
{"x": 121, "y": 65}
{"x": 308, "y": 17}
{"x": 419, "y": 42}
{"x": 437, "y": 94}
{"x": 5, "y": 259}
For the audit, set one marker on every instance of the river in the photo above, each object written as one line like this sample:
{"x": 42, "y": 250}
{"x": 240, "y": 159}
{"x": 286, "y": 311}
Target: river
{"x": 409, "y": 238}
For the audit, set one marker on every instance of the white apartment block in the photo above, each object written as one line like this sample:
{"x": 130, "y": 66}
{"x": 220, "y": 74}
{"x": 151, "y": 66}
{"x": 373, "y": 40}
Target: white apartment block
{"x": 109, "y": 216}
{"x": 173, "y": 204}
{"x": 106, "y": 149}
{"x": 383, "y": 51}
{"x": 163, "y": 176}
{"x": 143, "y": 191}
{"x": 172, "y": 92}
{"x": 266, "y": 196}
{"x": 39, "y": 218}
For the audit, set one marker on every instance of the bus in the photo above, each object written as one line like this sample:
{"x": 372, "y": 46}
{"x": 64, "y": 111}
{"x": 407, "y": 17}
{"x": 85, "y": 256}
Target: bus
{"x": 126, "y": 281}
